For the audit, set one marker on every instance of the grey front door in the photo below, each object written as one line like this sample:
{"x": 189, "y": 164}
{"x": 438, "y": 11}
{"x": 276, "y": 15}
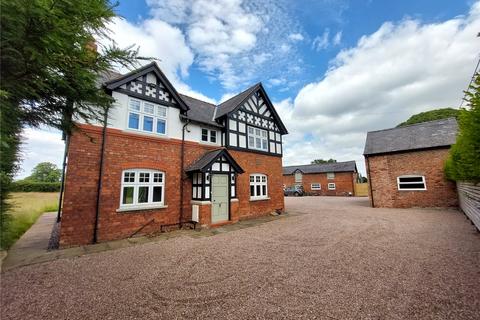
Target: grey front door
{"x": 219, "y": 198}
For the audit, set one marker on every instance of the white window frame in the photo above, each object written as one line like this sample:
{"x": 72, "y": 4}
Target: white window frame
{"x": 298, "y": 177}
{"x": 258, "y": 179}
{"x": 210, "y": 134}
{"x": 159, "y": 113}
{"x": 136, "y": 184}
{"x": 315, "y": 184}
{"x": 407, "y": 183}
{"x": 262, "y": 136}
{"x": 332, "y": 186}
{"x": 330, "y": 175}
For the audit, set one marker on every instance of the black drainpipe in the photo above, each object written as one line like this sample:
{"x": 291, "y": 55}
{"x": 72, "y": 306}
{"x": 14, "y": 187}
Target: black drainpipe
{"x": 62, "y": 182}
{"x": 182, "y": 162}
{"x": 100, "y": 174}
{"x": 370, "y": 180}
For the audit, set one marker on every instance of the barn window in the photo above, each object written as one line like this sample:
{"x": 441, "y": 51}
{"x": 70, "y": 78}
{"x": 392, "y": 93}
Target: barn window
{"x": 258, "y": 186}
{"x": 411, "y": 183}
{"x": 298, "y": 176}
{"x": 142, "y": 187}
{"x": 315, "y": 186}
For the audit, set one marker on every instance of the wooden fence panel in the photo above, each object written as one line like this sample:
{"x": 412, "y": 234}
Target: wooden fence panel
{"x": 469, "y": 200}
{"x": 361, "y": 189}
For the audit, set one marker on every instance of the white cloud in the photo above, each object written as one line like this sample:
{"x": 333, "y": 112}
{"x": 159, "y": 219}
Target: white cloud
{"x": 321, "y": 42}
{"x": 231, "y": 38}
{"x": 295, "y": 37}
{"x": 337, "y": 39}
{"x": 401, "y": 69}
{"x": 40, "y": 145}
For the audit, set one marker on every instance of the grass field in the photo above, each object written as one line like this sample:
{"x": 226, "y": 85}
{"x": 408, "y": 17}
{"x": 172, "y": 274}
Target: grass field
{"x": 26, "y": 208}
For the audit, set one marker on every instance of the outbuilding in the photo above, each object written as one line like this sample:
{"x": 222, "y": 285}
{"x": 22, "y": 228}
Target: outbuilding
{"x": 405, "y": 165}
{"x": 325, "y": 179}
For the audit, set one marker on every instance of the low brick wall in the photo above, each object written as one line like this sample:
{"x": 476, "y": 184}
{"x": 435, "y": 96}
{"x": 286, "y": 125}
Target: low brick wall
{"x": 469, "y": 201}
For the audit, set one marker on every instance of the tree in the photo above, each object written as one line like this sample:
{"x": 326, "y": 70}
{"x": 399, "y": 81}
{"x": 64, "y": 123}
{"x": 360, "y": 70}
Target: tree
{"x": 436, "y": 114}
{"x": 45, "y": 172}
{"x": 463, "y": 163}
{"x": 321, "y": 161}
{"x": 49, "y": 70}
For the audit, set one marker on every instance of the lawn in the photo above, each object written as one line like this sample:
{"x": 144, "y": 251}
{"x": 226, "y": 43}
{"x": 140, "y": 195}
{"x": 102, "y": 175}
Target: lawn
{"x": 26, "y": 208}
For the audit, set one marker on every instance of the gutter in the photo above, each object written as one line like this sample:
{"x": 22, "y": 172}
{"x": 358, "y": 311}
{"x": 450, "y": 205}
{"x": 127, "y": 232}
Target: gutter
{"x": 182, "y": 165}
{"x": 100, "y": 175}
{"x": 370, "y": 181}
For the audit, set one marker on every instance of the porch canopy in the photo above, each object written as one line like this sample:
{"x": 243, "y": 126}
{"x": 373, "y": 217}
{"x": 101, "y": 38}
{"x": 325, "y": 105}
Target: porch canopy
{"x": 212, "y": 162}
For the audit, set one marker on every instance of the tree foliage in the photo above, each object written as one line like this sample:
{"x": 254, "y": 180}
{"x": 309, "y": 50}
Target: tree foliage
{"x": 321, "y": 161}
{"x": 431, "y": 115}
{"x": 45, "y": 172}
{"x": 463, "y": 163}
{"x": 49, "y": 69}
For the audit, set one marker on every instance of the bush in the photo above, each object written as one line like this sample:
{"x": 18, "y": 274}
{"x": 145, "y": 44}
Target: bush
{"x": 33, "y": 186}
{"x": 463, "y": 163}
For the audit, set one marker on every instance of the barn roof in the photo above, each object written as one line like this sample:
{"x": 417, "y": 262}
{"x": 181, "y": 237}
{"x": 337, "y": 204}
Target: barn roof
{"x": 426, "y": 135}
{"x": 347, "y": 166}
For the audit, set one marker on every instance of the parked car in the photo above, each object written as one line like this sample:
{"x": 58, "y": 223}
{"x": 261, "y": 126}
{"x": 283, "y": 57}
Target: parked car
{"x": 296, "y": 191}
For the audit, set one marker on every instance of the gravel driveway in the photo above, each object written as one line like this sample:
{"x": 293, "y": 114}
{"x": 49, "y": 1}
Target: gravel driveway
{"x": 338, "y": 260}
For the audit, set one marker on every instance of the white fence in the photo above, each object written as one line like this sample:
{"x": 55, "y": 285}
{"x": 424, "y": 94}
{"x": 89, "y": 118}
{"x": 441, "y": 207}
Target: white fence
{"x": 469, "y": 199}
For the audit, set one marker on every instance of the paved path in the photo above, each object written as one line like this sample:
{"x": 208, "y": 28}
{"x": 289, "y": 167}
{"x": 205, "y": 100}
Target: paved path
{"x": 336, "y": 259}
{"x": 33, "y": 244}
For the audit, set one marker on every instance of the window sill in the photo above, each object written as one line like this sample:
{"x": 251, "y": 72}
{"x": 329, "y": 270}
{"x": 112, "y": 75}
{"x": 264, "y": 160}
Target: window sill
{"x": 259, "y": 199}
{"x": 148, "y": 133}
{"x": 200, "y": 202}
{"x": 139, "y": 208}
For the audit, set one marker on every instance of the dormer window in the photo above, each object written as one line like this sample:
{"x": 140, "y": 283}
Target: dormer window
{"x": 147, "y": 117}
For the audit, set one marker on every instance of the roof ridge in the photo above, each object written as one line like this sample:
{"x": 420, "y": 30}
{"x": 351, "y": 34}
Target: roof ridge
{"x": 186, "y": 95}
{"x": 415, "y": 124}
{"x": 317, "y": 164}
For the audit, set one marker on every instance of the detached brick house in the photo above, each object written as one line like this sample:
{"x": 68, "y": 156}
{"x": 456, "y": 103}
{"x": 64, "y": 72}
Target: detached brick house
{"x": 327, "y": 179}
{"x": 167, "y": 159}
{"x": 405, "y": 165}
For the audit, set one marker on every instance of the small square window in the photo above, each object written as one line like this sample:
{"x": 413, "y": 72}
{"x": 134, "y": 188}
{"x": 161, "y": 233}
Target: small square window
{"x": 157, "y": 177}
{"x": 161, "y": 111}
{"x": 331, "y": 186}
{"x": 144, "y": 177}
{"x": 134, "y": 105}
{"x": 129, "y": 177}
{"x": 148, "y": 108}
{"x": 252, "y": 178}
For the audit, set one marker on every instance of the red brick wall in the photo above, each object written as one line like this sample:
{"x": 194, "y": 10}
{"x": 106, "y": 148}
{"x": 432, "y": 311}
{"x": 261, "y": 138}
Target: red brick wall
{"x": 385, "y": 169}
{"x": 344, "y": 183}
{"x": 126, "y": 151}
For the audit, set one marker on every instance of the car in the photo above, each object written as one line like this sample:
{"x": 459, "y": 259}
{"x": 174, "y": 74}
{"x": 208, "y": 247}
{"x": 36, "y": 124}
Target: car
{"x": 296, "y": 191}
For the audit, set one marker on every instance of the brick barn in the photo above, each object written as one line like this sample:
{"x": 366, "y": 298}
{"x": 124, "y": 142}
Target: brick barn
{"x": 327, "y": 179}
{"x": 405, "y": 165}
{"x": 166, "y": 159}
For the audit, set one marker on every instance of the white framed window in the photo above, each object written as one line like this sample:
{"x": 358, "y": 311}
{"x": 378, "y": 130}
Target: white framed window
{"x": 258, "y": 186}
{"x": 257, "y": 139}
{"x": 411, "y": 183}
{"x": 147, "y": 117}
{"x": 142, "y": 188}
{"x": 330, "y": 175}
{"x": 209, "y": 135}
{"x": 298, "y": 176}
{"x": 331, "y": 186}
{"x": 316, "y": 186}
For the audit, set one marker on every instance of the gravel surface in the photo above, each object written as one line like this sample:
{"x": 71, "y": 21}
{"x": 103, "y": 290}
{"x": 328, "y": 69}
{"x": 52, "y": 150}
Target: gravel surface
{"x": 339, "y": 260}
{"x": 54, "y": 240}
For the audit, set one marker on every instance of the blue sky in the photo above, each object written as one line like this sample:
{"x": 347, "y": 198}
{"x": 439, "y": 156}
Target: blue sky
{"x": 334, "y": 69}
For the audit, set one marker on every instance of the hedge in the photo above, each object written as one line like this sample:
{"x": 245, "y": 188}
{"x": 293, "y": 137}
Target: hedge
{"x": 32, "y": 186}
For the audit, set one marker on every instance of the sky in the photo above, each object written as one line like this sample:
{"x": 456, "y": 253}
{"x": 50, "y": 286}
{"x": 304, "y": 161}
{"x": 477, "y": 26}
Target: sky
{"x": 334, "y": 69}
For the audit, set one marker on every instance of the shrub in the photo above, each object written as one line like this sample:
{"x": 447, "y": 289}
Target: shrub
{"x": 33, "y": 186}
